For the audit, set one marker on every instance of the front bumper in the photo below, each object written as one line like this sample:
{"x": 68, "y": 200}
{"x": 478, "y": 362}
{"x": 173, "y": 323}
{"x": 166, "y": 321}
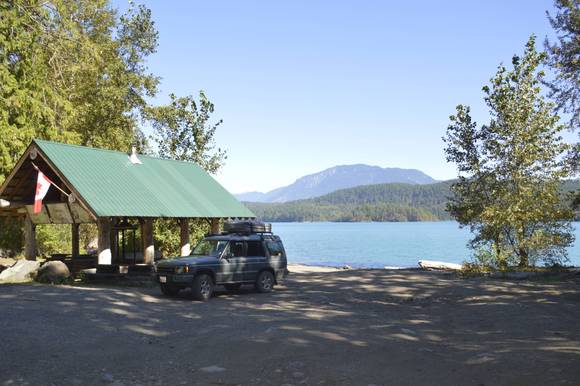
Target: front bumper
{"x": 172, "y": 278}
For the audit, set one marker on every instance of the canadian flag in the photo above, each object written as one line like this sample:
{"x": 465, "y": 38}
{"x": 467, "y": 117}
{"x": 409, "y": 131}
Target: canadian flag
{"x": 42, "y": 186}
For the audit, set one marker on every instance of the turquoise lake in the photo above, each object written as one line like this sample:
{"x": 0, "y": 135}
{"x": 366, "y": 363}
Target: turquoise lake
{"x": 376, "y": 245}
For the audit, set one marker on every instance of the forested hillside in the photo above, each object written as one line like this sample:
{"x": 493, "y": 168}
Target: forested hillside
{"x": 381, "y": 203}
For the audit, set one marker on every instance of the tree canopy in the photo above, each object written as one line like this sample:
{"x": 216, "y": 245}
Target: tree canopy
{"x": 510, "y": 169}
{"x": 72, "y": 71}
{"x": 75, "y": 71}
{"x": 564, "y": 58}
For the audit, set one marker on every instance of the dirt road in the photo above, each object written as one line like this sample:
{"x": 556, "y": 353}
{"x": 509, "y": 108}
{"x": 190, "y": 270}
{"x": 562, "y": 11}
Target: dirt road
{"x": 338, "y": 328}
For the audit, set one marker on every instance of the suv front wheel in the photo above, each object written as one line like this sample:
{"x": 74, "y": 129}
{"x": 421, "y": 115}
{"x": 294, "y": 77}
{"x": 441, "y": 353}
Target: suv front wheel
{"x": 265, "y": 282}
{"x": 202, "y": 287}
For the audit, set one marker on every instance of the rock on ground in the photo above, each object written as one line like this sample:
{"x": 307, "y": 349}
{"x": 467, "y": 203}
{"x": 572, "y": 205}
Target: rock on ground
{"x": 22, "y": 271}
{"x": 53, "y": 272}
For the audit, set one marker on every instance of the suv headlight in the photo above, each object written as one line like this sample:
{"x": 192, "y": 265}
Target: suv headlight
{"x": 182, "y": 269}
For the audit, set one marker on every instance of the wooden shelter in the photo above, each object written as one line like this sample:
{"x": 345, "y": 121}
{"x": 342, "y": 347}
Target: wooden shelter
{"x": 113, "y": 189}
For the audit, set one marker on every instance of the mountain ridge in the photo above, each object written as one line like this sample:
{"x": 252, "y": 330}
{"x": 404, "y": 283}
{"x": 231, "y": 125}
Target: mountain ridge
{"x": 336, "y": 178}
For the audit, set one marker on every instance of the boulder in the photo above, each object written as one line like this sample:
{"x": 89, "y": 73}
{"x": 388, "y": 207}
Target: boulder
{"x": 53, "y": 272}
{"x": 5, "y": 263}
{"x": 20, "y": 272}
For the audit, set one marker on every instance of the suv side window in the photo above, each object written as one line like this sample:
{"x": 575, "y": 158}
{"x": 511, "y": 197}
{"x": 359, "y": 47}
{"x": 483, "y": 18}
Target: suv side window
{"x": 275, "y": 248}
{"x": 255, "y": 248}
{"x": 237, "y": 248}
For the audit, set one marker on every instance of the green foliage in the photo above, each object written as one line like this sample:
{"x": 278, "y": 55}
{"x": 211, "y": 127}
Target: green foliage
{"x": 564, "y": 56}
{"x": 510, "y": 170}
{"x": 10, "y": 236}
{"x": 167, "y": 235}
{"x": 72, "y": 71}
{"x": 53, "y": 238}
{"x": 183, "y": 131}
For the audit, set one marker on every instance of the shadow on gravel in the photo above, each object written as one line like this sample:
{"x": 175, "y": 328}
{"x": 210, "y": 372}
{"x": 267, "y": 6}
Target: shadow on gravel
{"x": 351, "y": 327}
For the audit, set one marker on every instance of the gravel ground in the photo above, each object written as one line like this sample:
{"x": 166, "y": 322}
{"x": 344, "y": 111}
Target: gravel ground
{"x": 357, "y": 327}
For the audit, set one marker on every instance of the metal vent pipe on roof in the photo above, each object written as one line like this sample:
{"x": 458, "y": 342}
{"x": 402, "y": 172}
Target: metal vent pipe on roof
{"x": 133, "y": 157}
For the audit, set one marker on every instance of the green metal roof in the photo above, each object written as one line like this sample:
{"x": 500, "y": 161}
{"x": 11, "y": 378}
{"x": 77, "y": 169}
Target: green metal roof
{"x": 112, "y": 186}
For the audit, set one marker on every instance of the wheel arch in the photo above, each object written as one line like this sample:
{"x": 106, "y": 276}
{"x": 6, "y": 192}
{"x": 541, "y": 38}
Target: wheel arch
{"x": 271, "y": 270}
{"x": 207, "y": 272}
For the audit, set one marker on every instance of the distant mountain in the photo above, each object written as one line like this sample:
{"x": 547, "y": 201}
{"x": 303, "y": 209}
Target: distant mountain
{"x": 252, "y": 196}
{"x": 380, "y": 203}
{"x": 335, "y": 178}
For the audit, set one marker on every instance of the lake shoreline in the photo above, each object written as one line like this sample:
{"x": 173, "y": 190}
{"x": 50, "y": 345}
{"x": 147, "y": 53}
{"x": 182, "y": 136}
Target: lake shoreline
{"x": 383, "y": 244}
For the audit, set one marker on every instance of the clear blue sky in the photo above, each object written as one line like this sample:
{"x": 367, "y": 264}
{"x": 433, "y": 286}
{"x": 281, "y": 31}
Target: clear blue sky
{"x": 306, "y": 85}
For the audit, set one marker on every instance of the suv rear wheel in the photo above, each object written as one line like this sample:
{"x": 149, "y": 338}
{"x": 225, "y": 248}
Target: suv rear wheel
{"x": 202, "y": 287}
{"x": 265, "y": 282}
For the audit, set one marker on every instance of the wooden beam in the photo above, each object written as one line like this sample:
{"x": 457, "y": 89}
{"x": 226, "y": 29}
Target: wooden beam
{"x": 75, "y": 240}
{"x": 114, "y": 235}
{"x": 104, "y": 227}
{"x": 29, "y": 239}
{"x": 185, "y": 246}
{"x": 147, "y": 239}
{"x": 215, "y": 225}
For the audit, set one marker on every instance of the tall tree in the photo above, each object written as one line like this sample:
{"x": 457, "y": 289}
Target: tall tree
{"x": 72, "y": 71}
{"x": 183, "y": 131}
{"x": 564, "y": 58}
{"x": 510, "y": 170}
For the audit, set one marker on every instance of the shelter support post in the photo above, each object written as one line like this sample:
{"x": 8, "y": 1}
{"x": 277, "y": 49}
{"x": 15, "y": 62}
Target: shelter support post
{"x": 104, "y": 225}
{"x": 114, "y": 235}
{"x": 147, "y": 237}
{"x": 185, "y": 246}
{"x": 215, "y": 225}
{"x": 29, "y": 239}
{"x": 75, "y": 240}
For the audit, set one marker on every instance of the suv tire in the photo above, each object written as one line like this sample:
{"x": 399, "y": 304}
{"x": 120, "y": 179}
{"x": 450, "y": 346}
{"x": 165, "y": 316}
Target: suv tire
{"x": 265, "y": 282}
{"x": 169, "y": 290}
{"x": 202, "y": 287}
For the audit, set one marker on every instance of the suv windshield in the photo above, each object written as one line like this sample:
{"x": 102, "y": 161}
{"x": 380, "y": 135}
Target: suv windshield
{"x": 210, "y": 248}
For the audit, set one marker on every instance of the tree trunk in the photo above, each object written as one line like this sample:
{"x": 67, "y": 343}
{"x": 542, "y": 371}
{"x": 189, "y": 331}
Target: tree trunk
{"x": 75, "y": 240}
{"x": 501, "y": 263}
{"x": 524, "y": 260}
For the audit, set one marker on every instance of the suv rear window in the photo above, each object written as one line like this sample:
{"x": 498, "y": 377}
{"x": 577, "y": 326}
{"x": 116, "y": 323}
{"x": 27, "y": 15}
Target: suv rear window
{"x": 255, "y": 248}
{"x": 275, "y": 248}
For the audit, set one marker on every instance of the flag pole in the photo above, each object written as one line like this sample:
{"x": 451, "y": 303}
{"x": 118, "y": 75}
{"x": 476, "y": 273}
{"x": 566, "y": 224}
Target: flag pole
{"x": 52, "y": 183}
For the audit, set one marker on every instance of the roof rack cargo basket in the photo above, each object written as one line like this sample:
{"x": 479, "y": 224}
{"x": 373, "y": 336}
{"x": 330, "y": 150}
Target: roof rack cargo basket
{"x": 247, "y": 227}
